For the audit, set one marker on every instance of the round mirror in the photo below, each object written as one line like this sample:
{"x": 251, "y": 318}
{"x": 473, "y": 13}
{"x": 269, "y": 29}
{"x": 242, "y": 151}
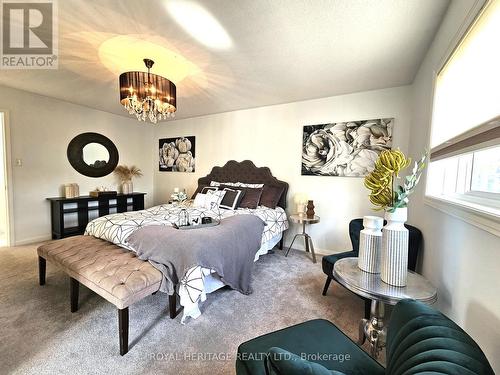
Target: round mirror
{"x": 95, "y": 155}
{"x": 92, "y": 154}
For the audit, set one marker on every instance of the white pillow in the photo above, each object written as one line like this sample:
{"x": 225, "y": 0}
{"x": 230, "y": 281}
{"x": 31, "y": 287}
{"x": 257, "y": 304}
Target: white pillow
{"x": 199, "y": 200}
{"x": 236, "y": 184}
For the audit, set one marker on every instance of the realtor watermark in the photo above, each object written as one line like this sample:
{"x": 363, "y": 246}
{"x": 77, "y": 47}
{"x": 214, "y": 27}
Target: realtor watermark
{"x": 29, "y": 34}
{"x": 259, "y": 356}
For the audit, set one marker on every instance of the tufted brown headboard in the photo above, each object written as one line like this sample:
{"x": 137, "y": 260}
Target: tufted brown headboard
{"x": 247, "y": 172}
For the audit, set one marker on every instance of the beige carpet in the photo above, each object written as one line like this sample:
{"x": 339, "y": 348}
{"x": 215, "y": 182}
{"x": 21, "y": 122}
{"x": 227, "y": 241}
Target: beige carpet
{"x": 39, "y": 334}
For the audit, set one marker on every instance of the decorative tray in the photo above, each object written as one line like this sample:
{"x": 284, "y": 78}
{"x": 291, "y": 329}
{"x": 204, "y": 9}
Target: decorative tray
{"x": 199, "y": 226}
{"x": 97, "y": 194}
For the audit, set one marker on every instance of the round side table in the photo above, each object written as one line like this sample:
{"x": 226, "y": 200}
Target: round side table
{"x": 307, "y": 239}
{"x": 369, "y": 285}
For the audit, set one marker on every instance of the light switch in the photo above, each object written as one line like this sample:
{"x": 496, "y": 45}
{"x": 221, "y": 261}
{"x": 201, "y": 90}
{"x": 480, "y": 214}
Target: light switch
{"x": 19, "y": 162}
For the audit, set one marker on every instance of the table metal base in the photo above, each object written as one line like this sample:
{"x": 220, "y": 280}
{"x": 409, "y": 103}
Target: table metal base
{"x": 374, "y": 329}
{"x": 307, "y": 240}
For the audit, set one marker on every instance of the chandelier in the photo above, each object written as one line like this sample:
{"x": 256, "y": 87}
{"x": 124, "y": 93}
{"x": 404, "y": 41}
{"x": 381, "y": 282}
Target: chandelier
{"x": 147, "y": 96}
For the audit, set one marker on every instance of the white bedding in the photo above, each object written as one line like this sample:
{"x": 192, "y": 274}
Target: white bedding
{"x": 197, "y": 281}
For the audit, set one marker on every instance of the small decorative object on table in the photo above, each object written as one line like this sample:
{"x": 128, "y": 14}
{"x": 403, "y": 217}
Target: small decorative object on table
{"x": 71, "y": 190}
{"x": 370, "y": 241}
{"x": 125, "y": 174}
{"x": 394, "y": 257}
{"x": 179, "y": 196}
{"x": 183, "y": 218}
{"x": 102, "y": 191}
{"x": 310, "y": 209}
{"x": 301, "y": 202}
{"x": 203, "y": 224}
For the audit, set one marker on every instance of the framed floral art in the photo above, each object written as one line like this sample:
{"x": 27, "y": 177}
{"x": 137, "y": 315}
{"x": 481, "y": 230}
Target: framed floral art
{"x": 347, "y": 149}
{"x": 177, "y": 154}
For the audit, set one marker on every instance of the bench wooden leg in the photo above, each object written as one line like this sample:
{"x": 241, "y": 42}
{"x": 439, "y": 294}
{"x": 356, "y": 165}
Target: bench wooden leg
{"x": 42, "y": 265}
{"x": 172, "y": 305}
{"x": 74, "y": 288}
{"x": 123, "y": 330}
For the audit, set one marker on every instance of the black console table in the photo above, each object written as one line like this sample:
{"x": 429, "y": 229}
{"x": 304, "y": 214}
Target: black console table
{"x": 70, "y": 216}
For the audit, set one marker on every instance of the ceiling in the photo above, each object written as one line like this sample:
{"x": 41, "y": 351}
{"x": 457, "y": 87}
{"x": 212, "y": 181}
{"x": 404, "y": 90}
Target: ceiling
{"x": 275, "y": 51}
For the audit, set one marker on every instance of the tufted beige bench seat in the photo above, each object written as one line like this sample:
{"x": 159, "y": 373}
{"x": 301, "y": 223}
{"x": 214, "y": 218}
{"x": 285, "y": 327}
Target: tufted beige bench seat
{"x": 114, "y": 273}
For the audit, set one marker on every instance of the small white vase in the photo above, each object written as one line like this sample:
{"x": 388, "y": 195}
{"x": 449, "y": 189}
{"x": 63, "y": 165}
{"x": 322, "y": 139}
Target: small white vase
{"x": 127, "y": 187}
{"x": 370, "y": 241}
{"x": 394, "y": 258}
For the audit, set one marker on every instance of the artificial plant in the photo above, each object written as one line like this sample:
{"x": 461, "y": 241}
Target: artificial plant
{"x": 385, "y": 194}
{"x": 125, "y": 173}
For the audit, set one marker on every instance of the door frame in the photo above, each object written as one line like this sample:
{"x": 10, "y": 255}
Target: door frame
{"x": 9, "y": 206}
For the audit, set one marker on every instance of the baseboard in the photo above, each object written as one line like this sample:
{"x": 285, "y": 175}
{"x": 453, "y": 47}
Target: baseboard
{"x": 32, "y": 240}
{"x": 321, "y": 252}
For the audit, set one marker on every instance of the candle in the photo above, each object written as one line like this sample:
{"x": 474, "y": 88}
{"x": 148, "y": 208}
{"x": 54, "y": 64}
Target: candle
{"x": 301, "y": 207}
{"x": 176, "y": 190}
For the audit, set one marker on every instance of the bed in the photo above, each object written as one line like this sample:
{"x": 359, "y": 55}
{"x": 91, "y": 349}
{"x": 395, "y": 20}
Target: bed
{"x": 198, "y": 281}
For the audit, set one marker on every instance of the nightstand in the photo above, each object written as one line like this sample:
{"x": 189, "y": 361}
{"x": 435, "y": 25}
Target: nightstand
{"x": 307, "y": 239}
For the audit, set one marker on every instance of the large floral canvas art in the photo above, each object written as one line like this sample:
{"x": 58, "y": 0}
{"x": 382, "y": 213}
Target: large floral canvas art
{"x": 177, "y": 154}
{"x": 347, "y": 149}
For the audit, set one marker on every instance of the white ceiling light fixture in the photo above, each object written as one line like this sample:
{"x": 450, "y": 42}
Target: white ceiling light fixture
{"x": 199, "y": 23}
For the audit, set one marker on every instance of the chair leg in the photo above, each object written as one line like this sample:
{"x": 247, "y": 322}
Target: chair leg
{"x": 327, "y": 285}
{"x": 42, "y": 266}
{"x": 123, "y": 330}
{"x": 282, "y": 241}
{"x": 172, "y": 305}
{"x": 73, "y": 293}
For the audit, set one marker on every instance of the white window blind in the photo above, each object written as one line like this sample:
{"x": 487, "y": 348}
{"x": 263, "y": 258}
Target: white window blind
{"x": 464, "y": 172}
{"x": 467, "y": 87}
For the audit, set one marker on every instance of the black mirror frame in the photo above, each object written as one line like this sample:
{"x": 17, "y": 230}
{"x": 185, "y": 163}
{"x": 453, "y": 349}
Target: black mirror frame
{"x": 75, "y": 154}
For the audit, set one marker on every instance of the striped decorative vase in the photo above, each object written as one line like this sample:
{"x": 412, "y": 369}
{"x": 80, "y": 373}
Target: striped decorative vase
{"x": 394, "y": 266}
{"x": 370, "y": 242}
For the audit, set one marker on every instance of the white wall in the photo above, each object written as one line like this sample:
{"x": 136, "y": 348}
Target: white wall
{"x": 272, "y": 136}
{"x": 41, "y": 129}
{"x": 461, "y": 260}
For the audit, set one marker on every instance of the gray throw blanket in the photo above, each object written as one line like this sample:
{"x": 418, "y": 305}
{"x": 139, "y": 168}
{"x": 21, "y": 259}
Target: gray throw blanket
{"x": 228, "y": 248}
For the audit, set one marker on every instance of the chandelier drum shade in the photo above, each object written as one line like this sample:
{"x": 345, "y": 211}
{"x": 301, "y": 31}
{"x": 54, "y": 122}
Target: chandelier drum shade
{"x": 148, "y": 96}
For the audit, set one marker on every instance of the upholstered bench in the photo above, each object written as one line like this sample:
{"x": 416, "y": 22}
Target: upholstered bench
{"x": 114, "y": 273}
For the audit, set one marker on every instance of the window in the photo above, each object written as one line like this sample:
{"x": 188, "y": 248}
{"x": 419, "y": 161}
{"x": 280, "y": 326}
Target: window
{"x": 465, "y": 134}
{"x": 486, "y": 172}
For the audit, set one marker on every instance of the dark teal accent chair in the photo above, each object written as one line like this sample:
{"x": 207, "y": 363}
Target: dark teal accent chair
{"x": 420, "y": 340}
{"x": 355, "y": 227}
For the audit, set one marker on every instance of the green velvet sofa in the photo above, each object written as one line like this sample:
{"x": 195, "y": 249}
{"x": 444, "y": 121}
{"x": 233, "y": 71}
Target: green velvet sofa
{"x": 420, "y": 340}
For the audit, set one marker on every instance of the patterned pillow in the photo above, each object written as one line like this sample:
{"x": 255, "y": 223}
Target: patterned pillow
{"x": 236, "y": 184}
{"x": 214, "y": 197}
{"x": 231, "y": 199}
{"x": 244, "y": 184}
